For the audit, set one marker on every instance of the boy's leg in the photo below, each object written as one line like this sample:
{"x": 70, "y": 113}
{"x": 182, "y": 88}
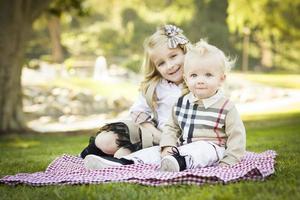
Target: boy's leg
{"x": 201, "y": 154}
{"x": 150, "y": 155}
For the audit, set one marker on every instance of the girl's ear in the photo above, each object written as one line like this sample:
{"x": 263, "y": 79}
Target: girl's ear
{"x": 184, "y": 78}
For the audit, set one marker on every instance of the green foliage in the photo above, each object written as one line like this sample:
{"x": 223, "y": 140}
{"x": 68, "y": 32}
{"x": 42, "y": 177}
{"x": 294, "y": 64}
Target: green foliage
{"x": 22, "y": 153}
{"x": 76, "y": 7}
{"x": 134, "y": 63}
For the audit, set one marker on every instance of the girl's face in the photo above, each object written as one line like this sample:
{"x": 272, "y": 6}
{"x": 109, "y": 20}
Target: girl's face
{"x": 203, "y": 76}
{"x": 168, "y": 62}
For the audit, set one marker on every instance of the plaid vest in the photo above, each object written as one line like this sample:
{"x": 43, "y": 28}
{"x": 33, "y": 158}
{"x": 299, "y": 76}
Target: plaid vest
{"x": 193, "y": 118}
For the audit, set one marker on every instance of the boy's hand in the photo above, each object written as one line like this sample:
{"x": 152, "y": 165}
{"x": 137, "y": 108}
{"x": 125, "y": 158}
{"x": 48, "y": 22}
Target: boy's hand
{"x": 166, "y": 151}
{"x": 223, "y": 165}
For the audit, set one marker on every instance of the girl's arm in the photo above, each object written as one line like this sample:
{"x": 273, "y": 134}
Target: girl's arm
{"x": 156, "y": 133}
{"x": 140, "y": 111}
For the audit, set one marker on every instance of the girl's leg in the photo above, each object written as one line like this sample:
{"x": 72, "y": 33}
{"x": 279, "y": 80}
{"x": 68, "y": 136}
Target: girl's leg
{"x": 106, "y": 142}
{"x": 122, "y": 152}
{"x": 149, "y": 155}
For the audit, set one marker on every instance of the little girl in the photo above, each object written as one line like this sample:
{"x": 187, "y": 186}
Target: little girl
{"x": 204, "y": 128}
{"x": 161, "y": 87}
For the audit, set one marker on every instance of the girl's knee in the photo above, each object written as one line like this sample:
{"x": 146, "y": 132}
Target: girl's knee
{"x": 106, "y": 142}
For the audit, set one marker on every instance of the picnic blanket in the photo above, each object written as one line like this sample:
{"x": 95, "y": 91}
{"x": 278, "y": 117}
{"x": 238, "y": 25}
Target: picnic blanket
{"x": 69, "y": 169}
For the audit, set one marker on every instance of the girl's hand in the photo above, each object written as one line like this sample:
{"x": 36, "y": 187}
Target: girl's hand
{"x": 155, "y": 132}
{"x": 166, "y": 151}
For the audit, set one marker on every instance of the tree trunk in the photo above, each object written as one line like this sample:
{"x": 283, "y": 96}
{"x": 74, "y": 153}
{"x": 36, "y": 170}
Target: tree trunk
{"x": 54, "y": 30}
{"x": 245, "y": 61}
{"x": 16, "y": 18}
{"x": 266, "y": 55}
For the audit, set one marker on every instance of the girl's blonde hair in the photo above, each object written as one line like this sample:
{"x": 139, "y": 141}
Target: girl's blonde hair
{"x": 202, "y": 49}
{"x": 151, "y": 75}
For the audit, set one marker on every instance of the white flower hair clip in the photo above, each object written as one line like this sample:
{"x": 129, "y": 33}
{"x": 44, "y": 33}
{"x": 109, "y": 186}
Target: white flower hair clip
{"x": 174, "y": 36}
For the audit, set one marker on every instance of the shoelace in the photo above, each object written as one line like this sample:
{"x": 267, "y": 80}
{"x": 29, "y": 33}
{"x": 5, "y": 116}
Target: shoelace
{"x": 189, "y": 163}
{"x": 174, "y": 151}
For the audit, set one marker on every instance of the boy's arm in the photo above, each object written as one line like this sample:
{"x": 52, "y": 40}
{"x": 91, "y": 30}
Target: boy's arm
{"x": 236, "y": 141}
{"x": 170, "y": 134}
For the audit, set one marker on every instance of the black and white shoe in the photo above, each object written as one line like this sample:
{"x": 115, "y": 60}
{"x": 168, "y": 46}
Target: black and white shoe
{"x": 174, "y": 162}
{"x": 97, "y": 162}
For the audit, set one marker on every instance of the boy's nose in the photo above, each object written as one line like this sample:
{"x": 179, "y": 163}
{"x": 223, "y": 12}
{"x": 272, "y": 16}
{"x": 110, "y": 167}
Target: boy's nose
{"x": 200, "y": 80}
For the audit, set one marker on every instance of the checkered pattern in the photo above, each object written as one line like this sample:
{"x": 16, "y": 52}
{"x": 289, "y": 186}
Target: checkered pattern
{"x": 190, "y": 117}
{"x": 69, "y": 169}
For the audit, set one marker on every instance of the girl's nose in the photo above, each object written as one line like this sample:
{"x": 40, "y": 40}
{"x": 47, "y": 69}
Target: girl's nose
{"x": 170, "y": 65}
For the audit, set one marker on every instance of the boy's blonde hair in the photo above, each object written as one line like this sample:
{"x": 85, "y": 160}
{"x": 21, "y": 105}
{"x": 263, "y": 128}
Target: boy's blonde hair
{"x": 202, "y": 50}
{"x": 151, "y": 75}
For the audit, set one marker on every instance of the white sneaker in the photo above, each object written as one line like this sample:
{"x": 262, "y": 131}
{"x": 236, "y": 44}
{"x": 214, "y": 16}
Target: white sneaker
{"x": 97, "y": 162}
{"x": 169, "y": 164}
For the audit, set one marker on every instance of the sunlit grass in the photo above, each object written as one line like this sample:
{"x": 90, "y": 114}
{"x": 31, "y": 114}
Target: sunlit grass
{"x": 275, "y": 80}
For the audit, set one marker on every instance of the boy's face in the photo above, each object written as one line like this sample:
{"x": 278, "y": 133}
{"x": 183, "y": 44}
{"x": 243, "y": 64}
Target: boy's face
{"x": 168, "y": 62}
{"x": 203, "y": 76}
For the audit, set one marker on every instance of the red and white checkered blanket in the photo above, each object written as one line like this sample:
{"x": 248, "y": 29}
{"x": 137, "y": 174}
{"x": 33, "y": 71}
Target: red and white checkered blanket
{"x": 69, "y": 169}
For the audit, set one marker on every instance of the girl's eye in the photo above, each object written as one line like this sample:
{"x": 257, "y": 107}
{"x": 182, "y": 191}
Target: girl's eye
{"x": 193, "y": 75}
{"x": 208, "y": 75}
{"x": 173, "y": 55}
{"x": 160, "y": 64}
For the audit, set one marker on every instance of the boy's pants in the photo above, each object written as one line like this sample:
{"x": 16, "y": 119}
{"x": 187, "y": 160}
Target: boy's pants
{"x": 197, "y": 154}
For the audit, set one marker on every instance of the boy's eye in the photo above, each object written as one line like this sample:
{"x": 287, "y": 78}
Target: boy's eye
{"x": 193, "y": 75}
{"x": 208, "y": 75}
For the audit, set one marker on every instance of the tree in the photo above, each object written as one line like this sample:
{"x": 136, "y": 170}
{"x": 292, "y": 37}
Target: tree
{"x": 270, "y": 23}
{"x": 16, "y": 18}
{"x": 53, "y": 15}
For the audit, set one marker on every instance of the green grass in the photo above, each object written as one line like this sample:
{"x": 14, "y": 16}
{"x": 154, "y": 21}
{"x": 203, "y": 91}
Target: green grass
{"x": 108, "y": 89}
{"x": 275, "y": 80}
{"x": 280, "y": 132}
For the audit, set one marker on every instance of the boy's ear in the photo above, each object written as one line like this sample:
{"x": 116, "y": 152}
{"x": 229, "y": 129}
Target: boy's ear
{"x": 223, "y": 77}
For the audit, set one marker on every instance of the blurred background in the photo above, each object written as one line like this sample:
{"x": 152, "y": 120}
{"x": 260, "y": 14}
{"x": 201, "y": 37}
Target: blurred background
{"x": 82, "y": 58}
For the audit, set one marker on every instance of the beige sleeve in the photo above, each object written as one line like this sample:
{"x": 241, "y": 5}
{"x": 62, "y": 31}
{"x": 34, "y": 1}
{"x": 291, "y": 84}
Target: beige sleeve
{"x": 236, "y": 142}
{"x": 171, "y": 132}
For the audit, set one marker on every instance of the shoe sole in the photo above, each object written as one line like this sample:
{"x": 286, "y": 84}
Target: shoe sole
{"x": 169, "y": 164}
{"x": 96, "y": 162}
